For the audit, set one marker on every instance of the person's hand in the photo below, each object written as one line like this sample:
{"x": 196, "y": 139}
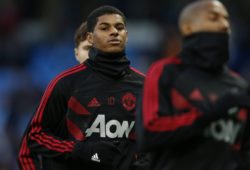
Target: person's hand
{"x": 230, "y": 100}
{"x": 100, "y": 152}
{"x": 222, "y": 107}
{"x": 224, "y": 103}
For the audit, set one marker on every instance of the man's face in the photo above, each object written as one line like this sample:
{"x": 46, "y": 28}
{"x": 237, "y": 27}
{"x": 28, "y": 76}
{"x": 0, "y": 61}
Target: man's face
{"x": 81, "y": 52}
{"x": 109, "y": 34}
{"x": 213, "y": 18}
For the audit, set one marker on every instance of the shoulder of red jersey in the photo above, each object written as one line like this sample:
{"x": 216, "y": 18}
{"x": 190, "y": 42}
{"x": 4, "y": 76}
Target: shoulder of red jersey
{"x": 159, "y": 65}
{"x": 137, "y": 72}
{"x": 67, "y": 73}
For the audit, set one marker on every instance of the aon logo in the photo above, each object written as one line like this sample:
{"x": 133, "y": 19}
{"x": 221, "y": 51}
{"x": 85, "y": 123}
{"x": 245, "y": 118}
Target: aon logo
{"x": 103, "y": 128}
{"x": 224, "y": 130}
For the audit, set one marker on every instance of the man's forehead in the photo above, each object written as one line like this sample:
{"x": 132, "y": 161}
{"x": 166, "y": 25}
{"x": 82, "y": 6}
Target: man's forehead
{"x": 110, "y": 19}
{"x": 216, "y": 7}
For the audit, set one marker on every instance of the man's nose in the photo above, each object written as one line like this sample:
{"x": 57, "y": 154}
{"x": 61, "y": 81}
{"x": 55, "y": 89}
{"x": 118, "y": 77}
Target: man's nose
{"x": 114, "y": 31}
{"x": 225, "y": 26}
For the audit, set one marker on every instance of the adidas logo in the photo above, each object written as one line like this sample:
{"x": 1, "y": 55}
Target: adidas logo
{"x": 196, "y": 95}
{"x": 95, "y": 158}
{"x": 94, "y": 103}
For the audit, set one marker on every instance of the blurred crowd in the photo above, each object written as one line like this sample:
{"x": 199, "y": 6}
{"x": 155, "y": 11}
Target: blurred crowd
{"x": 36, "y": 43}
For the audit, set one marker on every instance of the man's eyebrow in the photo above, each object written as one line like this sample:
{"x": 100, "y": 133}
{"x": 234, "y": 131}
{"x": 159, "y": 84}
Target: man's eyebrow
{"x": 105, "y": 23}
{"x": 119, "y": 23}
{"x": 215, "y": 12}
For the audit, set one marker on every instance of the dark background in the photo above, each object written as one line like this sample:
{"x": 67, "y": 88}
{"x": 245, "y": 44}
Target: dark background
{"x": 36, "y": 43}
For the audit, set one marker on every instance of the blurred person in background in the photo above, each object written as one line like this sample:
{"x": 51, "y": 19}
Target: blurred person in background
{"x": 86, "y": 116}
{"x": 82, "y": 45}
{"x": 195, "y": 110}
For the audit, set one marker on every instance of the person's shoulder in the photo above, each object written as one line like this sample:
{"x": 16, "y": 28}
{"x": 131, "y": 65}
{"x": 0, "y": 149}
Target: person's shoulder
{"x": 158, "y": 66}
{"x": 137, "y": 73}
{"x": 72, "y": 71}
{"x": 237, "y": 77}
{"x": 68, "y": 75}
{"x": 166, "y": 61}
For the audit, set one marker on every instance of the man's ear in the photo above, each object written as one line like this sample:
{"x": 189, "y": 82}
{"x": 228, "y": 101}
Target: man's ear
{"x": 90, "y": 37}
{"x": 126, "y": 36}
{"x": 76, "y": 51}
{"x": 76, "y": 54}
{"x": 186, "y": 29}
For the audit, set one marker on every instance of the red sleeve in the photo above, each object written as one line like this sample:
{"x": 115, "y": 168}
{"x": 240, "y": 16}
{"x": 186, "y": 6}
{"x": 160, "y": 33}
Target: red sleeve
{"x": 161, "y": 124}
{"x": 40, "y": 138}
{"x": 151, "y": 96}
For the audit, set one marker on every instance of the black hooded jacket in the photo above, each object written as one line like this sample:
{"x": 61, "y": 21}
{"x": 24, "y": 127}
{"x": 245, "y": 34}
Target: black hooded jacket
{"x": 189, "y": 119}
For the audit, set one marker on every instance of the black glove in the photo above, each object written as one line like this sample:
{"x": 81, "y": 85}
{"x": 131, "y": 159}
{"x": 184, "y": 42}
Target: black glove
{"x": 128, "y": 151}
{"x": 142, "y": 162}
{"x": 100, "y": 152}
{"x": 230, "y": 100}
{"x": 224, "y": 103}
{"x": 222, "y": 106}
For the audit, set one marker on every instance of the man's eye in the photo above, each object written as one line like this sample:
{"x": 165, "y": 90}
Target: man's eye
{"x": 226, "y": 18}
{"x": 120, "y": 27}
{"x": 103, "y": 28}
{"x": 213, "y": 17}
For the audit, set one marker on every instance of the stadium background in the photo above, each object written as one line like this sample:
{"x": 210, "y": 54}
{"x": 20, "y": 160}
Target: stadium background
{"x": 36, "y": 43}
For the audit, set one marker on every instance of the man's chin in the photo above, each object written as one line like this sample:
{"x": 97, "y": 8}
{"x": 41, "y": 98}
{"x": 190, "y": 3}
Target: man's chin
{"x": 114, "y": 49}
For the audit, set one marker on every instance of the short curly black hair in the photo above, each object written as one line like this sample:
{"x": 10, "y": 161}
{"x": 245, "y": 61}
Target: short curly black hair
{"x": 93, "y": 16}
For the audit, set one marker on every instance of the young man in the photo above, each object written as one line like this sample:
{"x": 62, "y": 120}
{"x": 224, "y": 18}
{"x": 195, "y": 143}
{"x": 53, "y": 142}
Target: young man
{"x": 82, "y": 45}
{"x": 86, "y": 117}
{"x": 195, "y": 111}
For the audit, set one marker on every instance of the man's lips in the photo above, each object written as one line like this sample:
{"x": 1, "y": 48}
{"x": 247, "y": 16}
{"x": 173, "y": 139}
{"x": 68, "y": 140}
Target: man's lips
{"x": 114, "y": 41}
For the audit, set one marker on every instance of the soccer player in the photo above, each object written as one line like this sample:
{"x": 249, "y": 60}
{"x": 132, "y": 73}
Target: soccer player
{"x": 195, "y": 110}
{"x": 86, "y": 116}
{"x": 82, "y": 45}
